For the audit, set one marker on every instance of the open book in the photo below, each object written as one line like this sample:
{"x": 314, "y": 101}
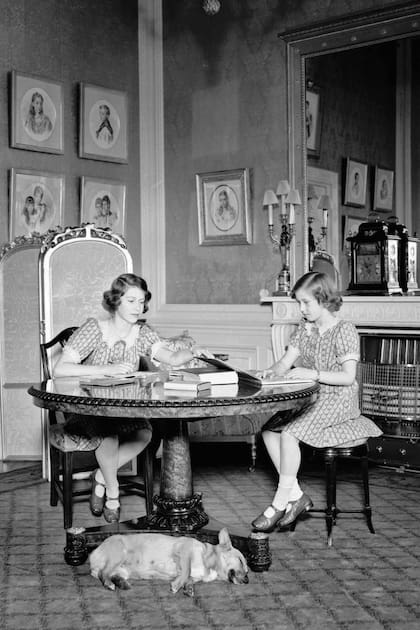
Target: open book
{"x": 251, "y": 375}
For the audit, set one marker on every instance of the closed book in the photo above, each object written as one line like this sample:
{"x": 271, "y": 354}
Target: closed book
{"x": 187, "y": 385}
{"x": 202, "y": 374}
{"x": 228, "y": 390}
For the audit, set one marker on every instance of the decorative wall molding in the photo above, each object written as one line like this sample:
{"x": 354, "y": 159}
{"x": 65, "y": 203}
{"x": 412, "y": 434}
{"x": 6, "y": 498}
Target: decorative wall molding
{"x": 368, "y": 313}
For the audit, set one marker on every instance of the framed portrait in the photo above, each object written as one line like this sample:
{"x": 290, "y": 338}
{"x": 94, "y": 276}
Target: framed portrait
{"x": 36, "y": 202}
{"x": 36, "y": 114}
{"x": 223, "y": 200}
{"x": 102, "y": 202}
{"x": 356, "y": 183}
{"x": 313, "y": 120}
{"x": 103, "y": 124}
{"x": 383, "y": 189}
{"x": 323, "y": 182}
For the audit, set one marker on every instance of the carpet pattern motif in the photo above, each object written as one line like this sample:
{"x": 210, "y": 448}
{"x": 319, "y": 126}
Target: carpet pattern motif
{"x": 364, "y": 581}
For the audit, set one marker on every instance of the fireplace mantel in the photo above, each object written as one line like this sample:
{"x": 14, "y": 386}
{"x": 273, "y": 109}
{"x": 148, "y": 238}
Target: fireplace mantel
{"x": 368, "y": 313}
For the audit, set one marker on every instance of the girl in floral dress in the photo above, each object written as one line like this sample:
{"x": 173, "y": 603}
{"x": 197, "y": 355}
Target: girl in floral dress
{"x": 113, "y": 346}
{"x": 328, "y": 349}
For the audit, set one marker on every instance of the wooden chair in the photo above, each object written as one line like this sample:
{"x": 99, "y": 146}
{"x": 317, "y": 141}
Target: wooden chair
{"x": 71, "y": 454}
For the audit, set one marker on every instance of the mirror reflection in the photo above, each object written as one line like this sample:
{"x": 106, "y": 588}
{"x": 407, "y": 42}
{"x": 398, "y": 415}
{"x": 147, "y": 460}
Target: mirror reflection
{"x": 361, "y": 142}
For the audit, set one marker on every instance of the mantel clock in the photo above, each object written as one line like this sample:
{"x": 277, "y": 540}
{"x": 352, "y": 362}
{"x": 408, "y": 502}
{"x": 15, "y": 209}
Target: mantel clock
{"x": 375, "y": 260}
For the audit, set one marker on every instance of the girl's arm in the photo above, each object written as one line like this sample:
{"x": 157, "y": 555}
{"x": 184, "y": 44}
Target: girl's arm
{"x": 281, "y": 367}
{"x": 173, "y": 357}
{"x": 67, "y": 366}
{"x": 346, "y": 376}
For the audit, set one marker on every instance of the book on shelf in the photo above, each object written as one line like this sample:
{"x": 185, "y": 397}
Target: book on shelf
{"x": 251, "y": 376}
{"x": 187, "y": 385}
{"x": 213, "y": 375}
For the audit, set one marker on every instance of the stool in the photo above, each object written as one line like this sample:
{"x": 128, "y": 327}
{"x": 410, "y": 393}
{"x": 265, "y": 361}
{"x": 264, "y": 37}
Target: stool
{"x": 331, "y": 511}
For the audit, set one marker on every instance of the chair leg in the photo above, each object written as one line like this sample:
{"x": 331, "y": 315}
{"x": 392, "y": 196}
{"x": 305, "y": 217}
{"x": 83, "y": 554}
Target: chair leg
{"x": 148, "y": 479}
{"x": 54, "y": 475}
{"x": 365, "y": 478}
{"x": 68, "y": 489}
{"x": 330, "y": 511}
{"x": 253, "y": 453}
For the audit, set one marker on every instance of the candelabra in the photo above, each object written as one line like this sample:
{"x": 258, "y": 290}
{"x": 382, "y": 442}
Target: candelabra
{"x": 287, "y": 198}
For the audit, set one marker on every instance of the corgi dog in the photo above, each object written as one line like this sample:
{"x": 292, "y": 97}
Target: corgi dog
{"x": 178, "y": 559}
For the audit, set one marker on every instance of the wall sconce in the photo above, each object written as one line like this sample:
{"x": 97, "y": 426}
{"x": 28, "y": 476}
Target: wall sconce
{"x": 287, "y": 199}
{"x": 316, "y": 244}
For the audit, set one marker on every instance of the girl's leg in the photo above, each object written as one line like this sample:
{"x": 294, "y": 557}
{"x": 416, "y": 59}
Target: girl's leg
{"x": 107, "y": 458}
{"x": 133, "y": 446}
{"x": 272, "y": 444}
{"x": 112, "y": 454}
{"x": 290, "y": 458}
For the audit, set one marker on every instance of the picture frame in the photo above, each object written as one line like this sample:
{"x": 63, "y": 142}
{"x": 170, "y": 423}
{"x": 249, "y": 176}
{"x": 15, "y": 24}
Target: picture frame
{"x": 36, "y": 114}
{"x": 36, "y": 202}
{"x": 355, "y": 183}
{"x": 103, "y": 202}
{"x": 324, "y": 182}
{"x": 103, "y": 124}
{"x": 383, "y": 188}
{"x": 223, "y": 202}
{"x": 313, "y": 120}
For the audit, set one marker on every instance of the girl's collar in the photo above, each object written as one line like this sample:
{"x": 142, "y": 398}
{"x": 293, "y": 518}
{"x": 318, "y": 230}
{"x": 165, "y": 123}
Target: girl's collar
{"x": 311, "y": 327}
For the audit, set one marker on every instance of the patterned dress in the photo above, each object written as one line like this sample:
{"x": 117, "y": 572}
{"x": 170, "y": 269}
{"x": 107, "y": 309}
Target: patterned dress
{"x": 95, "y": 343}
{"x": 335, "y": 417}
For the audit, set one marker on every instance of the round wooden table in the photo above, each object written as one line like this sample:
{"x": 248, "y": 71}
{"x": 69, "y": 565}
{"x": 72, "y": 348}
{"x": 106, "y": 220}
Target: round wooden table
{"x": 178, "y": 509}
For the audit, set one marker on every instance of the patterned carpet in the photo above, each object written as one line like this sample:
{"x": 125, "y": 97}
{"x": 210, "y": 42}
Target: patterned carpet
{"x": 363, "y": 582}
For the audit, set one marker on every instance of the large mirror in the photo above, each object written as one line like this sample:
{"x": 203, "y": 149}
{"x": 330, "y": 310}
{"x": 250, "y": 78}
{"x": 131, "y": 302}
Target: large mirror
{"x": 353, "y": 94}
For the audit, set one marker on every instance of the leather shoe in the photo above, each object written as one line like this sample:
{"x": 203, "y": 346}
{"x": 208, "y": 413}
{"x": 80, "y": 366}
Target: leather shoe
{"x": 265, "y": 523}
{"x": 96, "y": 503}
{"x": 298, "y": 507}
{"x": 112, "y": 515}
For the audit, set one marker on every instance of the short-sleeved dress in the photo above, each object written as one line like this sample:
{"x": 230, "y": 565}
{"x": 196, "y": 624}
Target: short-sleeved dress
{"x": 335, "y": 417}
{"x": 94, "y": 343}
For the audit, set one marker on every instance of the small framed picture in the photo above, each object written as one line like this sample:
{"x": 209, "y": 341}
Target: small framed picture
{"x": 383, "y": 189}
{"x": 36, "y": 202}
{"x": 223, "y": 200}
{"x": 102, "y": 202}
{"x": 356, "y": 183}
{"x": 36, "y": 114}
{"x": 313, "y": 119}
{"x": 103, "y": 124}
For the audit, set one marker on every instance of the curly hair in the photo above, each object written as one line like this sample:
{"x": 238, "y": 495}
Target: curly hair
{"x": 112, "y": 297}
{"x": 322, "y": 288}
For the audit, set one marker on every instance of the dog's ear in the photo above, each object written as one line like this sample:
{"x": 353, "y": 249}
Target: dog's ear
{"x": 224, "y": 539}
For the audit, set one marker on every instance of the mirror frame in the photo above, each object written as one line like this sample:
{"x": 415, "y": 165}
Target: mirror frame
{"x": 357, "y": 30}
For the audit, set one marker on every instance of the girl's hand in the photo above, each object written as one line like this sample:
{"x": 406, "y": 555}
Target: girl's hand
{"x": 301, "y": 372}
{"x": 115, "y": 369}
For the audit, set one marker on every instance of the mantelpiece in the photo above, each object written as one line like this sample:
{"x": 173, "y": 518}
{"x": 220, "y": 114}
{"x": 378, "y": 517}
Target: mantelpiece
{"x": 368, "y": 313}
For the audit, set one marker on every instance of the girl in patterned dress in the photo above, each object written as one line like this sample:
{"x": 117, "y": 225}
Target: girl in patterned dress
{"x": 328, "y": 349}
{"x": 114, "y": 346}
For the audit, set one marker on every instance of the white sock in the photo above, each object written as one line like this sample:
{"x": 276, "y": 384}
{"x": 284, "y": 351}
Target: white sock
{"x": 99, "y": 489}
{"x": 281, "y": 498}
{"x": 112, "y": 504}
{"x": 296, "y": 492}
